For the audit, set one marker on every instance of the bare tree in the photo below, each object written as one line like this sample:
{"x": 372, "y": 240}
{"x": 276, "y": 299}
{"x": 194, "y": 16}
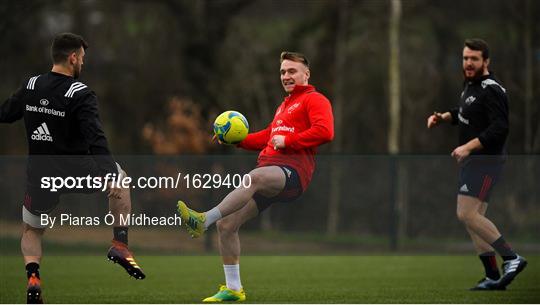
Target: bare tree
{"x": 394, "y": 80}
{"x": 527, "y": 47}
{"x": 338, "y": 101}
{"x": 399, "y": 174}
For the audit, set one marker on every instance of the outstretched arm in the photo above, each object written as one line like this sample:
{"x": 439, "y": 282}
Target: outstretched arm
{"x": 437, "y": 117}
{"x": 257, "y": 140}
{"x": 13, "y": 108}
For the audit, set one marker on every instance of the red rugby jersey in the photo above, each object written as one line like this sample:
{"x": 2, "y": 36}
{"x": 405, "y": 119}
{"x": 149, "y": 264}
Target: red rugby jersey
{"x": 305, "y": 119}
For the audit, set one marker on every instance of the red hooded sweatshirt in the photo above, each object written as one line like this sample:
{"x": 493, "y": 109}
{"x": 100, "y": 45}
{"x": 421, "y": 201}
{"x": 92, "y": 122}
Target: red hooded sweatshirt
{"x": 305, "y": 119}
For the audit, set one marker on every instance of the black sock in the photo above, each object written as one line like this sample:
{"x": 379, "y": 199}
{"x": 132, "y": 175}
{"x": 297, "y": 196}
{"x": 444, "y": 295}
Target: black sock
{"x": 504, "y": 249}
{"x": 121, "y": 234}
{"x": 490, "y": 265}
{"x": 32, "y": 268}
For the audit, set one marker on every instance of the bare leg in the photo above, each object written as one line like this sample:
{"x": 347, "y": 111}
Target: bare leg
{"x": 228, "y": 239}
{"x": 31, "y": 244}
{"x": 229, "y": 243}
{"x": 468, "y": 212}
{"x": 268, "y": 181}
{"x": 236, "y": 208}
{"x": 119, "y": 253}
{"x": 31, "y": 251}
{"x": 479, "y": 244}
{"x": 122, "y": 205}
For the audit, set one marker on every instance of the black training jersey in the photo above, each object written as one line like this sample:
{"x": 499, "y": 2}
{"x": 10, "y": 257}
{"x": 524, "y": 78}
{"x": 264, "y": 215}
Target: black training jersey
{"x": 483, "y": 114}
{"x": 61, "y": 118}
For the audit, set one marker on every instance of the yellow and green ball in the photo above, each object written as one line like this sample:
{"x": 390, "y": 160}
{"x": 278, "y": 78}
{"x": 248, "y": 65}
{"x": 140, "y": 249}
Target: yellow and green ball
{"x": 231, "y": 127}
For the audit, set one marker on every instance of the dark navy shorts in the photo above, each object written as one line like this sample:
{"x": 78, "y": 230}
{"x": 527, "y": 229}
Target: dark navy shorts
{"x": 291, "y": 191}
{"x": 477, "y": 177}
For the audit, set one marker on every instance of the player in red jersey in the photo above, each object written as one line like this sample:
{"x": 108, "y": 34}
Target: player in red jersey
{"x": 284, "y": 169}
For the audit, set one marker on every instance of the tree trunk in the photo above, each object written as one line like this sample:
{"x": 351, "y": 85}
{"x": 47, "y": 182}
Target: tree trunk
{"x": 399, "y": 169}
{"x": 394, "y": 80}
{"x": 338, "y": 101}
{"x": 528, "y": 78}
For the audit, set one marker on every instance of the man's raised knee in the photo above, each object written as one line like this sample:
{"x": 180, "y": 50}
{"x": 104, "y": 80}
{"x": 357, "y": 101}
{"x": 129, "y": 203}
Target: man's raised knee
{"x": 256, "y": 179}
{"x": 467, "y": 208}
{"x": 226, "y": 226}
{"x": 29, "y": 228}
{"x": 465, "y": 216}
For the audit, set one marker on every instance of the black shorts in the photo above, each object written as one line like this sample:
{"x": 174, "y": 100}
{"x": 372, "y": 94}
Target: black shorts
{"x": 291, "y": 191}
{"x": 38, "y": 200}
{"x": 43, "y": 201}
{"x": 478, "y": 176}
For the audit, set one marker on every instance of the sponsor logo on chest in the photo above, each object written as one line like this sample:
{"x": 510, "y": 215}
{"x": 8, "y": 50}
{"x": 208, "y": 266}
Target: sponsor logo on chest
{"x": 283, "y": 128}
{"x": 45, "y": 110}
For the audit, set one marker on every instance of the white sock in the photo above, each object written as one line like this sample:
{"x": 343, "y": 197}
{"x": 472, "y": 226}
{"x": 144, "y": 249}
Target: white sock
{"x": 232, "y": 277}
{"x": 212, "y": 216}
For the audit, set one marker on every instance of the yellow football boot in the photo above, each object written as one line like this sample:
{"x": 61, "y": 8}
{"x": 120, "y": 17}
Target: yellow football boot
{"x": 226, "y": 295}
{"x": 194, "y": 221}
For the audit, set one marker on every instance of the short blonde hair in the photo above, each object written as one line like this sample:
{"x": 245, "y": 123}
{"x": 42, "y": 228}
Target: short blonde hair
{"x": 294, "y": 56}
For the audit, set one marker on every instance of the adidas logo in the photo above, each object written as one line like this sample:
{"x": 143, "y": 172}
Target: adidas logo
{"x": 464, "y": 188}
{"x": 42, "y": 133}
{"x": 512, "y": 266}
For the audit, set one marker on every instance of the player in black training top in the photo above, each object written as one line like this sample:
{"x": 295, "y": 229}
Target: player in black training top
{"x": 65, "y": 139}
{"x": 482, "y": 117}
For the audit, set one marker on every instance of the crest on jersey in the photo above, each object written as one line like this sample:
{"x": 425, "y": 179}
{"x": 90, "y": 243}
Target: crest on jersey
{"x": 470, "y": 100}
{"x": 293, "y": 108}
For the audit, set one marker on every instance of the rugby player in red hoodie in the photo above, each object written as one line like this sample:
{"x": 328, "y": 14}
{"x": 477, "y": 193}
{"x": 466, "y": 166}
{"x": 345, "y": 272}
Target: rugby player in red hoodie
{"x": 284, "y": 169}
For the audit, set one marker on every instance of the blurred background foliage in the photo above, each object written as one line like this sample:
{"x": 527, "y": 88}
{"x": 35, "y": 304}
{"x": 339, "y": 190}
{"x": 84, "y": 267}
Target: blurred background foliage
{"x": 224, "y": 54}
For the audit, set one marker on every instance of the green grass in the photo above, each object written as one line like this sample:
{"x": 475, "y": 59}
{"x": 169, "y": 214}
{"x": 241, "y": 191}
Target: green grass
{"x": 269, "y": 279}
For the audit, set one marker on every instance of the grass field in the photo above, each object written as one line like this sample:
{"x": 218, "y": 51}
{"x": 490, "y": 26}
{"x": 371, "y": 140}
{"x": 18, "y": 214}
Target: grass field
{"x": 269, "y": 279}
